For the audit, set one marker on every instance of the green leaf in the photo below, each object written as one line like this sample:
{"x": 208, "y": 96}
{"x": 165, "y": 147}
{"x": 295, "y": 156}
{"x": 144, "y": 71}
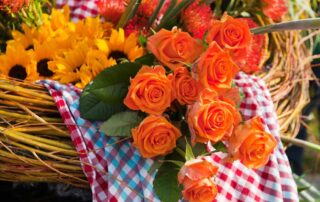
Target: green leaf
{"x": 155, "y": 13}
{"x": 220, "y": 147}
{"x": 303, "y": 188}
{"x": 128, "y": 13}
{"x": 120, "y": 124}
{"x": 94, "y": 109}
{"x": 199, "y": 149}
{"x": 147, "y": 59}
{"x": 166, "y": 183}
{"x": 142, "y": 40}
{"x": 104, "y": 96}
{"x": 312, "y": 23}
{"x": 184, "y": 128}
{"x": 177, "y": 163}
{"x": 189, "y": 153}
{"x": 172, "y": 12}
{"x": 156, "y": 164}
{"x": 111, "y": 85}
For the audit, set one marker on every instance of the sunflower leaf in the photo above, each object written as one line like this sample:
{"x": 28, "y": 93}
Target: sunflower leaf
{"x": 104, "y": 96}
{"x": 120, "y": 124}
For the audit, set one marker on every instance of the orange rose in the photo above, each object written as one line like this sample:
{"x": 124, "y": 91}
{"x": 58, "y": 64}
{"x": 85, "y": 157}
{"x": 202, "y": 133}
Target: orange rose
{"x": 196, "y": 176}
{"x": 200, "y": 191}
{"x": 174, "y": 48}
{"x": 196, "y": 169}
{"x": 213, "y": 118}
{"x": 231, "y": 34}
{"x": 155, "y": 136}
{"x": 184, "y": 86}
{"x": 216, "y": 69}
{"x": 150, "y": 91}
{"x": 251, "y": 144}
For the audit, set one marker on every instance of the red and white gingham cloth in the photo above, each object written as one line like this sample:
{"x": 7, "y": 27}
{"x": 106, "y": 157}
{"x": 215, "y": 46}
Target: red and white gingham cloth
{"x": 80, "y": 9}
{"x": 273, "y": 182}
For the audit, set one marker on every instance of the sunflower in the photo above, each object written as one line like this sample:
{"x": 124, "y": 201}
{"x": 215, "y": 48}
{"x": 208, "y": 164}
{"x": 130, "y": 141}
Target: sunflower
{"x": 58, "y": 19}
{"x": 25, "y": 38}
{"x": 90, "y": 28}
{"x": 97, "y": 60}
{"x": 19, "y": 66}
{"x": 44, "y": 53}
{"x": 66, "y": 68}
{"x": 122, "y": 47}
{"x": 85, "y": 76}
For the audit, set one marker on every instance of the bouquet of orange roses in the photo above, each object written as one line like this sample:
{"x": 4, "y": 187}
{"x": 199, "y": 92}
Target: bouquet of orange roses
{"x": 178, "y": 102}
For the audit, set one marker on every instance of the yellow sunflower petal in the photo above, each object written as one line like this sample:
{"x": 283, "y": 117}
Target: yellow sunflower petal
{"x": 116, "y": 41}
{"x": 102, "y": 45}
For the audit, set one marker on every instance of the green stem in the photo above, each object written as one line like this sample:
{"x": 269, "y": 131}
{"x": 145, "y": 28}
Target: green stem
{"x": 217, "y": 9}
{"x": 301, "y": 143}
{"x": 129, "y": 13}
{"x": 230, "y": 6}
{"x": 155, "y": 13}
{"x": 181, "y": 152}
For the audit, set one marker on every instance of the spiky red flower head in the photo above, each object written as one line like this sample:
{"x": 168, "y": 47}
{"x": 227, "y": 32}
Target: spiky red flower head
{"x": 196, "y": 18}
{"x": 256, "y": 53}
{"x": 111, "y": 10}
{"x": 275, "y": 9}
{"x": 137, "y": 25}
{"x": 147, "y": 7}
{"x": 13, "y": 6}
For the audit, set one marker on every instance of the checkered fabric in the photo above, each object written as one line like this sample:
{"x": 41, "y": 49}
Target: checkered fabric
{"x": 117, "y": 172}
{"x": 80, "y": 8}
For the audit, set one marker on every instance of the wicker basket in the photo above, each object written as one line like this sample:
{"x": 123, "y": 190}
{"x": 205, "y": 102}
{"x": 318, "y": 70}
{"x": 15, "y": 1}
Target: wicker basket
{"x": 288, "y": 78}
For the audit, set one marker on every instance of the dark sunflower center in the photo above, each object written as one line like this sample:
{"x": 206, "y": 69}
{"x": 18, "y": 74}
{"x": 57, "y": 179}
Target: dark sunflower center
{"x": 42, "y": 68}
{"x": 77, "y": 69}
{"x": 118, "y": 55}
{"x": 18, "y": 72}
{"x": 30, "y": 47}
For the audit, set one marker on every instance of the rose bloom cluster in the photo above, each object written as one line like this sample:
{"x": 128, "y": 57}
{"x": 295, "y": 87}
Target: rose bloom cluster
{"x": 200, "y": 78}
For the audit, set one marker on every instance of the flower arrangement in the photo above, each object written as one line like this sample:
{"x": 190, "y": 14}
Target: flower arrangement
{"x": 178, "y": 101}
{"x": 158, "y": 77}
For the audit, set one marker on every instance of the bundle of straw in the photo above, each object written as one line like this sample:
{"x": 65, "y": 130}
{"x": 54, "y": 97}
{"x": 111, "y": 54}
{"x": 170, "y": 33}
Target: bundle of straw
{"x": 34, "y": 142}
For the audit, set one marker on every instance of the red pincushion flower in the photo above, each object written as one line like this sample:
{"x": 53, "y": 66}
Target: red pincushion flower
{"x": 255, "y": 51}
{"x": 13, "y": 6}
{"x": 196, "y": 18}
{"x": 275, "y": 9}
{"x": 139, "y": 23}
{"x": 147, "y": 8}
{"x": 111, "y": 10}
